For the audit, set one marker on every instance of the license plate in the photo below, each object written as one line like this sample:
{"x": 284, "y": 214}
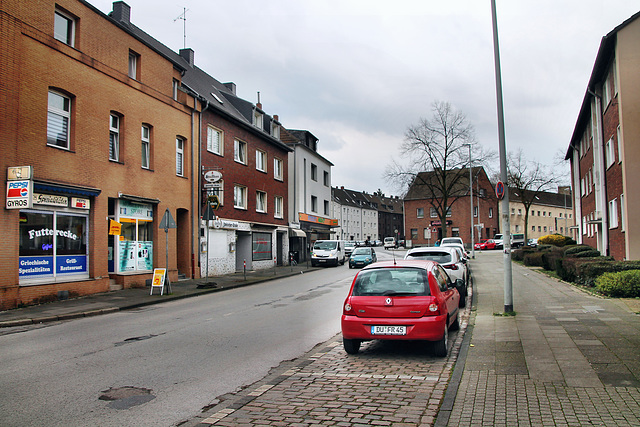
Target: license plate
{"x": 388, "y": 330}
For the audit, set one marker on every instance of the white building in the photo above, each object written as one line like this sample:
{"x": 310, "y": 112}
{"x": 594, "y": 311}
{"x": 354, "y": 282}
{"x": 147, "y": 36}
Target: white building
{"x": 357, "y": 216}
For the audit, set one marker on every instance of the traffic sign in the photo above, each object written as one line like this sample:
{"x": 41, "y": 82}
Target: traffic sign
{"x": 500, "y": 190}
{"x": 167, "y": 221}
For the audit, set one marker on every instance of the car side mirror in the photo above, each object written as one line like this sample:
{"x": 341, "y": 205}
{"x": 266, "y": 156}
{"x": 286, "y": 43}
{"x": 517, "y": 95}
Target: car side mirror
{"x": 458, "y": 284}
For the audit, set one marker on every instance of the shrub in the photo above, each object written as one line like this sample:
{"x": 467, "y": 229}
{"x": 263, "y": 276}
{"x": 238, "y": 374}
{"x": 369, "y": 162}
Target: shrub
{"x": 588, "y": 272}
{"x": 519, "y": 254}
{"x": 577, "y": 249}
{"x": 533, "y": 259}
{"x": 550, "y": 256}
{"x": 623, "y": 284}
{"x": 555, "y": 240}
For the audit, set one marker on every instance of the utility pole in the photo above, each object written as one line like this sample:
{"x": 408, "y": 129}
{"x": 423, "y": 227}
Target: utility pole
{"x": 506, "y": 226}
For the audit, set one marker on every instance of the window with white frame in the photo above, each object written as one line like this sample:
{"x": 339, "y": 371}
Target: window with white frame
{"x": 606, "y": 91}
{"x": 420, "y": 213}
{"x": 275, "y": 131}
{"x": 314, "y": 204}
{"x": 277, "y": 168}
{"x": 214, "y": 140}
{"x": 240, "y": 151}
{"x": 257, "y": 119}
{"x": 619, "y": 136}
{"x": 261, "y": 160}
{"x": 278, "y": 203}
{"x": 490, "y": 212}
{"x": 134, "y": 65}
{"x": 114, "y": 137}
{"x": 64, "y": 27}
{"x": 146, "y": 143}
{"x": 613, "y": 213}
{"x": 179, "y": 156}
{"x": 314, "y": 172}
{"x": 622, "y": 217}
{"x": 239, "y": 197}
{"x": 58, "y": 118}
{"x": 475, "y": 212}
{"x": 174, "y": 89}
{"x": 449, "y": 213}
{"x": 261, "y": 201}
{"x": 433, "y": 213}
{"x": 609, "y": 152}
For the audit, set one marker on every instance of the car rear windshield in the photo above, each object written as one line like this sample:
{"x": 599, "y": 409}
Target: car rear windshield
{"x": 392, "y": 281}
{"x": 439, "y": 257}
{"x": 362, "y": 251}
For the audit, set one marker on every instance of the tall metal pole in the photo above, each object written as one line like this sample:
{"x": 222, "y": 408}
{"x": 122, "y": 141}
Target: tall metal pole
{"x": 504, "y": 207}
{"x": 473, "y": 251}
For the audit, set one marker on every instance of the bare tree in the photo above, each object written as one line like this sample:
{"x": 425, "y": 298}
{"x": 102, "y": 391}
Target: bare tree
{"x": 437, "y": 159}
{"x": 528, "y": 179}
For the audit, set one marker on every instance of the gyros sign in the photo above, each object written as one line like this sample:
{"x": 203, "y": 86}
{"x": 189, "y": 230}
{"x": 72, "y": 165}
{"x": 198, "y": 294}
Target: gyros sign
{"x": 19, "y": 194}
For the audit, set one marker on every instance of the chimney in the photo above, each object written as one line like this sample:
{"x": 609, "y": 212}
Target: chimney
{"x": 189, "y": 55}
{"x": 276, "y": 118}
{"x": 121, "y": 12}
{"x": 259, "y": 104}
{"x": 231, "y": 86}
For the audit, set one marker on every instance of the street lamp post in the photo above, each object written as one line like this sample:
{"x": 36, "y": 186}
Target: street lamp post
{"x": 473, "y": 252}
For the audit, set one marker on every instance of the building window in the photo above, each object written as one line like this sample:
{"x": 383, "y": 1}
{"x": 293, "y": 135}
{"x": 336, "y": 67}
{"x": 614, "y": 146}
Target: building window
{"x": 277, "y": 169}
{"x": 414, "y": 234}
{"x": 240, "y": 151}
{"x": 64, "y": 27}
{"x": 513, "y": 211}
{"x": 179, "y": 156}
{"x": 475, "y": 212}
{"x": 314, "y": 204}
{"x": 114, "y": 137}
{"x": 134, "y": 65}
{"x": 622, "y": 218}
{"x": 314, "y": 172}
{"x": 327, "y": 181}
{"x": 449, "y": 212}
{"x": 533, "y": 228}
{"x": 214, "y": 140}
{"x": 613, "y": 213}
{"x": 609, "y": 152}
{"x": 326, "y": 207}
{"x": 146, "y": 142}
{"x": 433, "y": 213}
{"x": 275, "y": 131}
{"x": 619, "y": 136}
{"x": 490, "y": 212}
{"x": 261, "y": 201}
{"x": 58, "y": 118}
{"x": 261, "y": 161}
{"x": 174, "y": 89}
{"x": 257, "y": 119}
{"x": 278, "y": 203}
{"x": 420, "y": 213}
{"x": 240, "y": 197}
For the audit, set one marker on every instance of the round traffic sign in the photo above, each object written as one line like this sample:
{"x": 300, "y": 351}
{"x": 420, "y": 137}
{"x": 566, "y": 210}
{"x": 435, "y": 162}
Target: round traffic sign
{"x": 500, "y": 190}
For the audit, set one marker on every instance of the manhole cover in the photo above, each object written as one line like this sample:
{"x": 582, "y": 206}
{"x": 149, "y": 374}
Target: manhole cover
{"x": 126, "y": 397}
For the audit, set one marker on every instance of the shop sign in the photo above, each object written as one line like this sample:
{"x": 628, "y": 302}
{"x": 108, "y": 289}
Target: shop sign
{"x": 19, "y": 194}
{"x": 15, "y": 173}
{"x": 213, "y": 176}
{"x": 43, "y": 265}
{"x": 79, "y": 203}
{"x": 50, "y": 200}
{"x": 115, "y": 228}
{"x": 318, "y": 219}
{"x": 223, "y": 223}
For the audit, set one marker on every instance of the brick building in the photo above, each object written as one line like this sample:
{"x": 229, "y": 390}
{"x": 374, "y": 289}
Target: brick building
{"x": 422, "y": 224}
{"x": 95, "y": 115}
{"x": 605, "y": 148}
{"x": 241, "y": 147}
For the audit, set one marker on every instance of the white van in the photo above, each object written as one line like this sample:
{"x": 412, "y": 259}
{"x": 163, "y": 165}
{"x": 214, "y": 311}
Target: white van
{"x": 390, "y": 242}
{"x": 328, "y": 252}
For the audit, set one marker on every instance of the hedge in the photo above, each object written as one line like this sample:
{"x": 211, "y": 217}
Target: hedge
{"x": 533, "y": 259}
{"x": 588, "y": 272}
{"x": 556, "y": 240}
{"x": 623, "y": 284}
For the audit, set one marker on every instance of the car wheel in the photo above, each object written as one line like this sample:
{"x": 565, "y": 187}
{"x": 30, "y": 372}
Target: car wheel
{"x": 342, "y": 262}
{"x": 440, "y": 347}
{"x": 351, "y": 346}
{"x": 456, "y": 323}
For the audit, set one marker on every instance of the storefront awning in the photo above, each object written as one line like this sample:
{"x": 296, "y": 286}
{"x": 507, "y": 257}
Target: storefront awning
{"x": 138, "y": 199}
{"x": 56, "y": 187}
{"x": 296, "y": 232}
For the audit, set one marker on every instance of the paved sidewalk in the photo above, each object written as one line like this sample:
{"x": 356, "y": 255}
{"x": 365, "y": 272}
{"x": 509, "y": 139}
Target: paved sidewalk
{"x": 109, "y": 302}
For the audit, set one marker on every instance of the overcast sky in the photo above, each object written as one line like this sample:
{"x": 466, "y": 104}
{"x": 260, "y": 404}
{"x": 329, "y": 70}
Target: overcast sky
{"x": 357, "y": 73}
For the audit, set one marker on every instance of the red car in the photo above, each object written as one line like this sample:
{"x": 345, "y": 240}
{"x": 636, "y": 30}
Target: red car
{"x": 401, "y": 300}
{"x": 485, "y": 244}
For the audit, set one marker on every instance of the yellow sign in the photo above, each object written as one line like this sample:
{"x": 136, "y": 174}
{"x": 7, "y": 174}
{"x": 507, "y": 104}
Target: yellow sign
{"x": 158, "y": 279}
{"x": 115, "y": 228}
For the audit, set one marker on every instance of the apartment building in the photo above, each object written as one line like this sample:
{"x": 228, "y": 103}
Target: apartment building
{"x": 548, "y": 213}
{"x": 356, "y": 214}
{"x": 605, "y": 147}
{"x": 97, "y": 146}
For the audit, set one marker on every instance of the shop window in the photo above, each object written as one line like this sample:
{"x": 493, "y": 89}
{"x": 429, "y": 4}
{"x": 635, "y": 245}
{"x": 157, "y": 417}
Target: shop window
{"x": 261, "y": 246}
{"x": 134, "y": 245}
{"x": 53, "y": 246}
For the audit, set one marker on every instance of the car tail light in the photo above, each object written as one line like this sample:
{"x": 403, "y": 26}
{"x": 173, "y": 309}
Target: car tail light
{"x": 451, "y": 266}
{"x": 433, "y": 309}
{"x": 347, "y": 308}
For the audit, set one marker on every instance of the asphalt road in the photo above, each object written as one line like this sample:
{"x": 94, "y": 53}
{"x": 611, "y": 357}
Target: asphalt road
{"x": 175, "y": 357}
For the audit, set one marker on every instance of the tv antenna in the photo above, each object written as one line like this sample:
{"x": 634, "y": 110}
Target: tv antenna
{"x": 183, "y": 16}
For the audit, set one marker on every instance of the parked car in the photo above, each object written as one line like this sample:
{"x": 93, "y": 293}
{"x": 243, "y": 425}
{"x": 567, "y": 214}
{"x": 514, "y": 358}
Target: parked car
{"x": 450, "y": 259}
{"x": 485, "y": 244}
{"x": 390, "y": 243}
{"x": 498, "y": 241}
{"x": 532, "y": 242}
{"x": 361, "y": 257}
{"x": 446, "y": 240}
{"x": 460, "y": 246}
{"x": 349, "y": 246}
{"x": 401, "y": 300}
